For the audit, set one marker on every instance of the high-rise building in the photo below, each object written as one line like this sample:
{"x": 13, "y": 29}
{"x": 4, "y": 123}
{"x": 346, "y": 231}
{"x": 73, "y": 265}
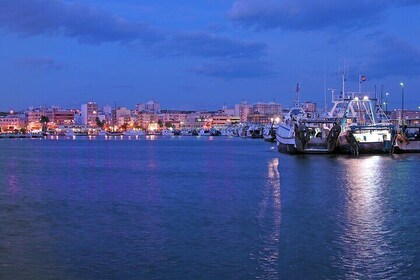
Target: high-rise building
{"x": 121, "y": 116}
{"x": 242, "y": 110}
{"x": 89, "y": 112}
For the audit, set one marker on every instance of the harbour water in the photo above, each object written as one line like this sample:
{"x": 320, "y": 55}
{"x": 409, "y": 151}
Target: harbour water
{"x": 204, "y": 208}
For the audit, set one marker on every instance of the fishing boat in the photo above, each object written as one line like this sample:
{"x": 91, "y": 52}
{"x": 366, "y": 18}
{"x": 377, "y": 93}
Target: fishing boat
{"x": 360, "y": 130}
{"x": 302, "y": 135}
{"x": 186, "y": 132}
{"x": 254, "y": 131}
{"x": 407, "y": 140}
{"x": 228, "y": 131}
{"x": 215, "y": 132}
{"x": 204, "y": 132}
{"x": 269, "y": 132}
{"x": 166, "y": 132}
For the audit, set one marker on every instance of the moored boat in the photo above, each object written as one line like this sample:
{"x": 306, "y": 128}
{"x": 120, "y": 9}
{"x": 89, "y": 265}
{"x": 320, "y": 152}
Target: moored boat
{"x": 302, "y": 135}
{"x": 407, "y": 140}
{"x": 360, "y": 131}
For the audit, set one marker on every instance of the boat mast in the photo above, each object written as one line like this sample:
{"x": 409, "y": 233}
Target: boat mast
{"x": 296, "y": 105}
{"x": 325, "y": 92}
{"x": 343, "y": 81}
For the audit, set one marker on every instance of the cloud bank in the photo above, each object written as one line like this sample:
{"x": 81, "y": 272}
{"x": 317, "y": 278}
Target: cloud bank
{"x": 93, "y": 25}
{"x": 303, "y": 15}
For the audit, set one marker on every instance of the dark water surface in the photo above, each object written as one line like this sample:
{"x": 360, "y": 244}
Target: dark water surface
{"x": 204, "y": 208}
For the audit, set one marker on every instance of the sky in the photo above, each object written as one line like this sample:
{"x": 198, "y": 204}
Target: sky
{"x": 202, "y": 54}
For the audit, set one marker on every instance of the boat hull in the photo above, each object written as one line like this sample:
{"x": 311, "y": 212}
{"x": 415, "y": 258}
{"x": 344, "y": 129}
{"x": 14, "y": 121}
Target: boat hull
{"x": 410, "y": 147}
{"x": 286, "y": 143}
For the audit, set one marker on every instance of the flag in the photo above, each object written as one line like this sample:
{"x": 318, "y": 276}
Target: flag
{"x": 362, "y": 78}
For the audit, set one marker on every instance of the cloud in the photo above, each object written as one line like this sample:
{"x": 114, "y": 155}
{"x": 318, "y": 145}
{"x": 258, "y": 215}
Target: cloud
{"x": 92, "y": 25}
{"x": 236, "y": 69}
{"x": 86, "y": 24}
{"x": 208, "y": 45}
{"x": 40, "y": 63}
{"x": 395, "y": 57}
{"x": 306, "y": 15}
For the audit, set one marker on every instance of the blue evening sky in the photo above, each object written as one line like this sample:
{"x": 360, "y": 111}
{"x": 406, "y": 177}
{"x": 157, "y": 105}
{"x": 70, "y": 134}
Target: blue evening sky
{"x": 195, "y": 54}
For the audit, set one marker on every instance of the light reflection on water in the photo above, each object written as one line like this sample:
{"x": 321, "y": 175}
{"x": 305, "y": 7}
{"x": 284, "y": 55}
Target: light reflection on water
{"x": 365, "y": 238}
{"x": 269, "y": 218}
{"x": 195, "y": 208}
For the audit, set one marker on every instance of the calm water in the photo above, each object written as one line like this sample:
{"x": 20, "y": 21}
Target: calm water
{"x": 191, "y": 208}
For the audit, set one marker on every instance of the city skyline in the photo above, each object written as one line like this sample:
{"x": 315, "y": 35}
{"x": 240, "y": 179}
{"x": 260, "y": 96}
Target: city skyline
{"x": 192, "y": 55}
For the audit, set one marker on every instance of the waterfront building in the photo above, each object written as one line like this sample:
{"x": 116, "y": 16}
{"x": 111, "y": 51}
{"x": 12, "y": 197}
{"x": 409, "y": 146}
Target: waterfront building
{"x": 34, "y": 116}
{"x": 197, "y": 120}
{"x": 261, "y": 118}
{"x": 224, "y": 120}
{"x": 270, "y": 108}
{"x": 410, "y": 116}
{"x": 12, "y": 123}
{"x": 150, "y": 106}
{"x": 147, "y": 120}
{"x": 89, "y": 112}
{"x": 61, "y": 117}
{"x": 121, "y": 116}
{"x": 242, "y": 110}
{"x": 173, "y": 117}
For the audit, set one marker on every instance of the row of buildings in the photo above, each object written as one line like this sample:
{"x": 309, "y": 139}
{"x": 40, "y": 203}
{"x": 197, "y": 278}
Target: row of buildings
{"x": 147, "y": 116}
{"x": 150, "y": 116}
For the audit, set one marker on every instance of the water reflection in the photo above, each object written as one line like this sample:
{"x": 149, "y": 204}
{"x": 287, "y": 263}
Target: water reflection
{"x": 365, "y": 241}
{"x": 12, "y": 178}
{"x": 269, "y": 218}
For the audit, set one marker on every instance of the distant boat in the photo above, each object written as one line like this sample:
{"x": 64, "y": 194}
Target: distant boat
{"x": 269, "y": 132}
{"x": 204, "y": 132}
{"x": 114, "y": 133}
{"x": 186, "y": 132}
{"x": 407, "y": 140}
{"x": 166, "y": 132}
{"x": 255, "y": 131}
{"x": 135, "y": 132}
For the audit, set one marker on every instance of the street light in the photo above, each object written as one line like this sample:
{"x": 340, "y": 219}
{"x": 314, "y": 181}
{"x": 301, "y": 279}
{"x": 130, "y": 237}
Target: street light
{"x": 402, "y": 103}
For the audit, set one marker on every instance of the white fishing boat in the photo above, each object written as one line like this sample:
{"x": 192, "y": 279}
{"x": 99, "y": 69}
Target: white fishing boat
{"x": 360, "y": 130}
{"x": 269, "y": 133}
{"x": 302, "y": 135}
